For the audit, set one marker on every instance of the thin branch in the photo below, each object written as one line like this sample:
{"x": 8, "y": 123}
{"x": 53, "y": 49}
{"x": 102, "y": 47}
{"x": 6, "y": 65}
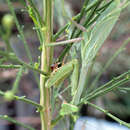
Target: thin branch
{"x": 79, "y": 26}
{"x": 5, "y": 117}
{"x": 20, "y": 30}
{"x": 10, "y": 66}
{"x": 60, "y": 31}
{"x": 109, "y": 63}
{"x": 109, "y": 114}
{"x": 65, "y": 42}
{"x": 16, "y": 59}
{"x": 108, "y": 87}
{"x": 24, "y": 100}
{"x": 16, "y": 83}
{"x": 61, "y": 38}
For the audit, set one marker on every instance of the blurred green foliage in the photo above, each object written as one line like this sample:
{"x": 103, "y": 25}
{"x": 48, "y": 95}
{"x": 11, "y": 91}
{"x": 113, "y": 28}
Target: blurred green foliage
{"x": 119, "y": 102}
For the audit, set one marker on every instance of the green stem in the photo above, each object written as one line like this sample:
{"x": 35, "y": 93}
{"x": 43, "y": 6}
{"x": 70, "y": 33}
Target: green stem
{"x": 24, "y": 100}
{"x": 93, "y": 85}
{"x": 81, "y": 15}
{"x": 46, "y": 61}
{"x": 113, "y": 81}
{"x": 5, "y": 117}
{"x": 65, "y": 42}
{"x": 5, "y": 38}
{"x": 109, "y": 114}
{"x": 10, "y": 66}
{"x": 16, "y": 83}
{"x": 107, "y": 90}
{"x": 16, "y": 59}
{"x": 60, "y": 31}
{"x": 31, "y": 67}
{"x": 20, "y": 30}
{"x": 21, "y": 34}
{"x": 108, "y": 87}
{"x": 90, "y": 16}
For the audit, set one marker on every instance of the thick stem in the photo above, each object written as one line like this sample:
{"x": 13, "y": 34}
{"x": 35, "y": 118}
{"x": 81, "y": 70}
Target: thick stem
{"x": 46, "y": 61}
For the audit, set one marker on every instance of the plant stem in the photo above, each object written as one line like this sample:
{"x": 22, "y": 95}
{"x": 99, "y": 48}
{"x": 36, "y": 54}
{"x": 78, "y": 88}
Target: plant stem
{"x": 108, "y": 87}
{"x": 65, "y": 42}
{"x": 16, "y": 59}
{"x": 20, "y": 30}
{"x": 46, "y": 61}
{"x": 18, "y": 78}
{"x": 10, "y": 66}
{"x": 109, "y": 114}
{"x": 23, "y": 99}
{"x": 6, "y": 117}
{"x": 93, "y": 85}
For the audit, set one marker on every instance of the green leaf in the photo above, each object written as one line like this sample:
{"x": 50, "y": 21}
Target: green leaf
{"x": 101, "y": 31}
{"x": 67, "y": 108}
{"x": 94, "y": 41}
{"x": 98, "y": 35}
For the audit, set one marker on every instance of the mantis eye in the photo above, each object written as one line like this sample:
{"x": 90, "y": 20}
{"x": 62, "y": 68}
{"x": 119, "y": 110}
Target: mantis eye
{"x": 59, "y": 64}
{"x": 55, "y": 66}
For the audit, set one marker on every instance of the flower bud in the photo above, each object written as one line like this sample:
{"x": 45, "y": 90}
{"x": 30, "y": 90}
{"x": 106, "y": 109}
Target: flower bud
{"x": 8, "y": 21}
{"x": 9, "y": 96}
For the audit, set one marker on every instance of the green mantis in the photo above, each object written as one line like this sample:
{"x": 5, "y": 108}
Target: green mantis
{"x": 62, "y": 73}
{"x": 59, "y": 76}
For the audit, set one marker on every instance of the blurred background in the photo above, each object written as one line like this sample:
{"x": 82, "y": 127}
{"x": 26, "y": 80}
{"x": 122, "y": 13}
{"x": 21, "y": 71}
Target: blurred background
{"x": 117, "y": 103}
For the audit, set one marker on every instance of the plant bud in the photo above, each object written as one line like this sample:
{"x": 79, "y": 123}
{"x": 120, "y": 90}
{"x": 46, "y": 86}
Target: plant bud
{"x": 7, "y": 21}
{"x": 9, "y": 96}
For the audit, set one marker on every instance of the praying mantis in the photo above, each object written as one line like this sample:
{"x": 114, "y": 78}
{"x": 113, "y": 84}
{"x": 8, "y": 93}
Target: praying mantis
{"x": 59, "y": 76}
{"x": 61, "y": 73}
